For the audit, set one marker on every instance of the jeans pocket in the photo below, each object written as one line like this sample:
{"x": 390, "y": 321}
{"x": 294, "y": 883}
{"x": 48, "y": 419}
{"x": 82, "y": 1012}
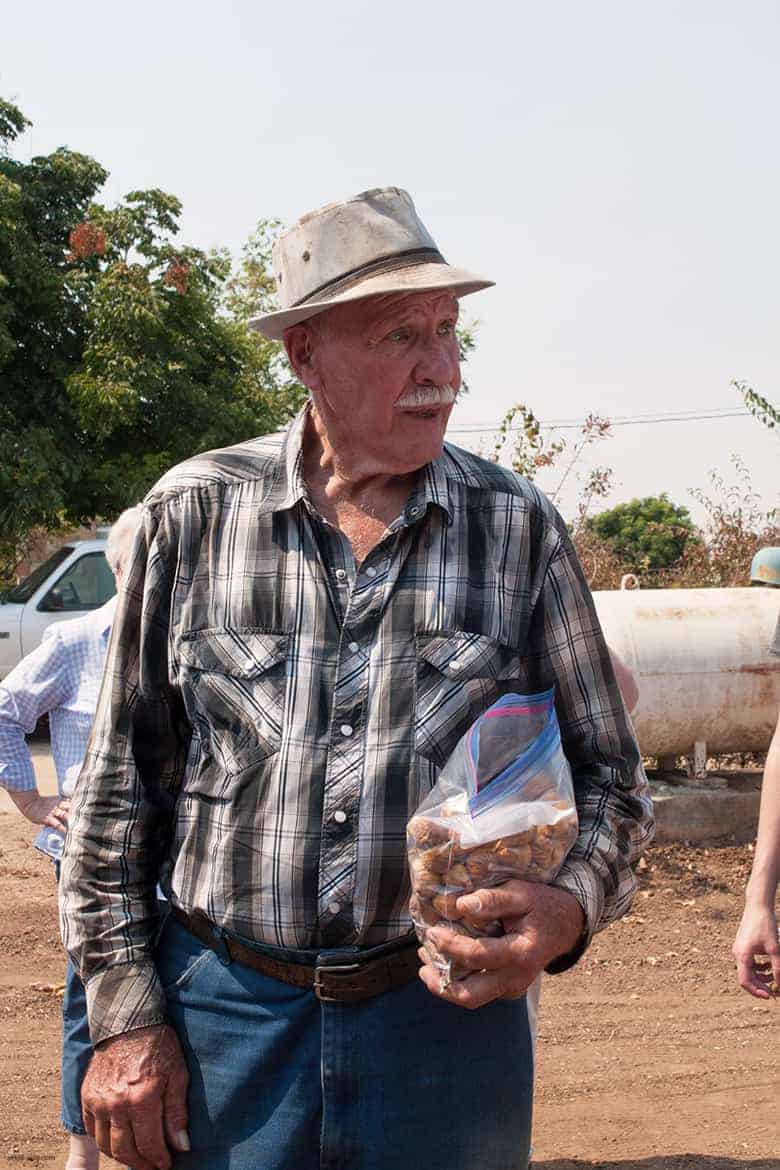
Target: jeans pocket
{"x": 179, "y": 957}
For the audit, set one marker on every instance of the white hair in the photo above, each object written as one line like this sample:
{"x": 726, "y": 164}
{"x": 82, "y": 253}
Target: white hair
{"x": 120, "y": 537}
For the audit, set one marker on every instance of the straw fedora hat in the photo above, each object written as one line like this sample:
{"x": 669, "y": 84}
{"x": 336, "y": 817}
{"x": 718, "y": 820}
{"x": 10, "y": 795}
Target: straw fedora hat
{"x": 373, "y": 243}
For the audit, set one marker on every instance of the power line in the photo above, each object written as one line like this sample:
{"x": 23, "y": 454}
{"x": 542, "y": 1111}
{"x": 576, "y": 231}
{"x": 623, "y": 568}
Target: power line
{"x": 622, "y": 421}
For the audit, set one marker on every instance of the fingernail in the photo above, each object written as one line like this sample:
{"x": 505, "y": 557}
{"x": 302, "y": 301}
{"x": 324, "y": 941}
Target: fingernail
{"x": 182, "y": 1140}
{"x": 471, "y": 903}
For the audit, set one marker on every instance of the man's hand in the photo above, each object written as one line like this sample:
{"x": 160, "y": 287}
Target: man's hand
{"x": 757, "y": 935}
{"x": 43, "y": 810}
{"x": 134, "y": 1097}
{"x": 541, "y": 923}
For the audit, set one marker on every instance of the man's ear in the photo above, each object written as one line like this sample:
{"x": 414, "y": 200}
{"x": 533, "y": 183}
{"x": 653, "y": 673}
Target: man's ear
{"x": 299, "y": 345}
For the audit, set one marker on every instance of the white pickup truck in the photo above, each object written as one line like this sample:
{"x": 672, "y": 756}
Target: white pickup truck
{"x": 75, "y": 579}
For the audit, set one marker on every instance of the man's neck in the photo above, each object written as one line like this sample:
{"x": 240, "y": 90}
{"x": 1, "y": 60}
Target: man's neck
{"x": 341, "y": 474}
{"x": 359, "y": 500}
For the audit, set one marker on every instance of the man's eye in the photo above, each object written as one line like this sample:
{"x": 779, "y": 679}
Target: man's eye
{"x": 447, "y": 327}
{"x": 399, "y": 335}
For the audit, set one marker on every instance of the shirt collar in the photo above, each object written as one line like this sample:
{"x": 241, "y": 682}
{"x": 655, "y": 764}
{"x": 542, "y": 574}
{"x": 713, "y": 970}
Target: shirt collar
{"x": 289, "y": 486}
{"x": 434, "y": 484}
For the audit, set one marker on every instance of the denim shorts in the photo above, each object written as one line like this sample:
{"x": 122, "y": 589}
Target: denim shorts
{"x": 283, "y": 1081}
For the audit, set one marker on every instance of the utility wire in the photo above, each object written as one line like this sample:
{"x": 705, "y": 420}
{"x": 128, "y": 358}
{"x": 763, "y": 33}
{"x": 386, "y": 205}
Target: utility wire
{"x": 624, "y": 421}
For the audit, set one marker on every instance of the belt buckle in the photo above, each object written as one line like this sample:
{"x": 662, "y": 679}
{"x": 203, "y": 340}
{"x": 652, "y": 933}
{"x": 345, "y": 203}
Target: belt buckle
{"x": 337, "y": 969}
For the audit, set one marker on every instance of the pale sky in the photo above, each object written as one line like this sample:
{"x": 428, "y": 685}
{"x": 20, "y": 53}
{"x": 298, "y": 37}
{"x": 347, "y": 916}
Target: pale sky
{"x": 612, "y": 165}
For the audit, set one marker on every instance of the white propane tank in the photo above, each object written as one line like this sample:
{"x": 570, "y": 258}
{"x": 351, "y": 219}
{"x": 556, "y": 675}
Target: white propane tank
{"x": 702, "y": 664}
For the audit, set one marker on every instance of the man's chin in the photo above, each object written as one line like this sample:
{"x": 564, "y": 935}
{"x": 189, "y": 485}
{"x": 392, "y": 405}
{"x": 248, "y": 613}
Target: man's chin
{"x": 417, "y": 455}
{"x": 423, "y": 428}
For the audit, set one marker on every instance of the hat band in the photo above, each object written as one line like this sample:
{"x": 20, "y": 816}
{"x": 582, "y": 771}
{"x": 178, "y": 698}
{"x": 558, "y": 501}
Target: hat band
{"x": 392, "y": 263}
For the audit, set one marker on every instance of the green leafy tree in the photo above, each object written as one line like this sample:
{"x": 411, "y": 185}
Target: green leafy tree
{"x": 647, "y": 534}
{"x": 42, "y": 334}
{"x": 121, "y": 352}
{"x": 168, "y": 369}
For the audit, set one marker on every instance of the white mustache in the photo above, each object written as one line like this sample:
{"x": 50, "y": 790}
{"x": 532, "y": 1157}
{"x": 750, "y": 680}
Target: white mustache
{"x": 428, "y": 396}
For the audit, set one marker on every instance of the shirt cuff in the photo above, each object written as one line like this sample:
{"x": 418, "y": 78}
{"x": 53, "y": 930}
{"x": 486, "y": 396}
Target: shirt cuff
{"x": 18, "y": 775}
{"x": 578, "y": 879}
{"x": 123, "y": 998}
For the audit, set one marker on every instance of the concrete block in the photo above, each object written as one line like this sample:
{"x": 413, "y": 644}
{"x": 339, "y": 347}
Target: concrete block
{"x": 700, "y": 814}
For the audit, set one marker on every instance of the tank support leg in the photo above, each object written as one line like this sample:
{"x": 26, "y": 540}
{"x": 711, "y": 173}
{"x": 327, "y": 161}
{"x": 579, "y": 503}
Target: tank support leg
{"x": 697, "y": 764}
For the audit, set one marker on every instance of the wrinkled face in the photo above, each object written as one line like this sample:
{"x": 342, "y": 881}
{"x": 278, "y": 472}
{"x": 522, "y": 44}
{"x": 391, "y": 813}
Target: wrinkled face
{"x": 383, "y": 373}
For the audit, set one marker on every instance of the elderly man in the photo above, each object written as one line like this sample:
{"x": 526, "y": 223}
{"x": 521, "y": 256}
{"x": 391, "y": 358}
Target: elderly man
{"x": 310, "y": 623}
{"x": 61, "y": 679}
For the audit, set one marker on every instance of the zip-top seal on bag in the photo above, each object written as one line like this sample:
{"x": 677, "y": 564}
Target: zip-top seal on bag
{"x": 503, "y": 807}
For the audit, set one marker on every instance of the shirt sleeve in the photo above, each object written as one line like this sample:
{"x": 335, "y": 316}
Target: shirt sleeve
{"x": 37, "y": 685}
{"x": 775, "y": 645}
{"x": 567, "y": 649}
{"x": 123, "y": 804}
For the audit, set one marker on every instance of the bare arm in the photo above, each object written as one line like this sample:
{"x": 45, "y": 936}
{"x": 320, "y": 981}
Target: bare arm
{"x": 757, "y": 934}
{"x": 626, "y": 681}
{"x": 37, "y": 685}
{"x": 42, "y": 810}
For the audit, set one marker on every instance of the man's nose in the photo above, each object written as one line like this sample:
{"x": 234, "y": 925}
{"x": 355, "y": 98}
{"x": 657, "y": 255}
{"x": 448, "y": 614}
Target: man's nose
{"x": 438, "y": 364}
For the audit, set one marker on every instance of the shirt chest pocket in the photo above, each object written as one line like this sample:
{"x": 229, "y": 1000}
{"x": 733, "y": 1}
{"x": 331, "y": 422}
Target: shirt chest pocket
{"x": 459, "y": 675}
{"x": 234, "y": 685}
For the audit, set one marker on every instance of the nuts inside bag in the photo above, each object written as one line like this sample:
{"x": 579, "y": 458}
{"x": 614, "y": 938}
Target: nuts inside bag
{"x": 503, "y": 807}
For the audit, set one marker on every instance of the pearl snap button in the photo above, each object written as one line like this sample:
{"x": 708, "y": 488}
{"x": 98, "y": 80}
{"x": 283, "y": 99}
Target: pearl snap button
{"x": 334, "y": 907}
{"x": 346, "y": 730}
{"x": 340, "y": 817}
{"x": 371, "y": 572}
{"x": 353, "y": 646}
{"x": 341, "y": 574}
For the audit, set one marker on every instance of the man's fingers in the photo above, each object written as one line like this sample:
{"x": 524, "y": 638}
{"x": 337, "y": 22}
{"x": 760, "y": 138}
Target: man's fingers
{"x": 124, "y": 1148}
{"x": 148, "y": 1133}
{"x": 475, "y": 990}
{"x": 477, "y": 953}
{"x": 101, "y": 1132}
{"x": 175, "y": 1107}
{"x": 57, "y": 816}
{"x": 748, "y": 977}
{"x": 509, "y": 900}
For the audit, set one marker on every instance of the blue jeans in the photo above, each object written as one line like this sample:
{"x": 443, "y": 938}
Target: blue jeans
{"x": 282, "y": 1081}
{"x": 76, "y": 1050}
{"x": 76, "y": 1046}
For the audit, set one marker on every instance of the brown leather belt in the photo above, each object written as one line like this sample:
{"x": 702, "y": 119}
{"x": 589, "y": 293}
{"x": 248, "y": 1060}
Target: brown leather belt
{"x": 337, "y": 982}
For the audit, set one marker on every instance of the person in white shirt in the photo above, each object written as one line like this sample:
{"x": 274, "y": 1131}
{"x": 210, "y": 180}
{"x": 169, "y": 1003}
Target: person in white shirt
{"x": 61, "y": 679}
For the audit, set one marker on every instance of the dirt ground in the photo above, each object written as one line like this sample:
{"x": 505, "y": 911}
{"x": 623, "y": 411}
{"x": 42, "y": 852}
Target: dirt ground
{"x": 650, "y": 1058}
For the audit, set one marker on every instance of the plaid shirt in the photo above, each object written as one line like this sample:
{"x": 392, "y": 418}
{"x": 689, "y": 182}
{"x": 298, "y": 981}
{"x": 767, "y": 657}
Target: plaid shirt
{"x": 272, "y": 713}
{"x": 61, "y": 678}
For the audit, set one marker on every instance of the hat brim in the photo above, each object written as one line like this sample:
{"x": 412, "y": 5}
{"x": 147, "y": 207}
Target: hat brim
{"x": 418, "y": 278}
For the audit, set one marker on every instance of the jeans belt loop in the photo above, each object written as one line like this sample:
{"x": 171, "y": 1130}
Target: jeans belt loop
{"x": 220, "y": 946}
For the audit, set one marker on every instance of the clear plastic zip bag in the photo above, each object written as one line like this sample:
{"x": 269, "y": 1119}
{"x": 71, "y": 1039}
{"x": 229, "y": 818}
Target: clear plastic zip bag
{"x": 503, "y": 807}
